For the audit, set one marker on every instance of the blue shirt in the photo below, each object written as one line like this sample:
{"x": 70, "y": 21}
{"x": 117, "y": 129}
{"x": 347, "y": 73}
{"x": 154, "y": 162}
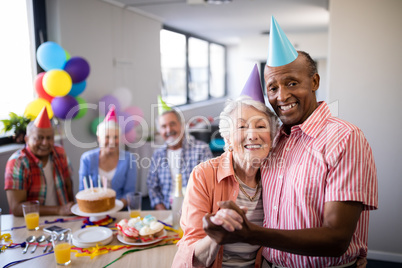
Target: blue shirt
{"x": 123, "y": 181}
{"x": 159, "y": 179}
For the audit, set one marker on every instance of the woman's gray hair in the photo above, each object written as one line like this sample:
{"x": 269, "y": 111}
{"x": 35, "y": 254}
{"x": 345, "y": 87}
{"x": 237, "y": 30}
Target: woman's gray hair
{"x": 101, "y": 129}
{"x": 226, "y": 120}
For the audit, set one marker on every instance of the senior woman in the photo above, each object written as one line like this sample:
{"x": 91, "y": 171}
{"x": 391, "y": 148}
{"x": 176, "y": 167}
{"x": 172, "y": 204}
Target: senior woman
{"x": 109, "y": 161}
{"x": 248, "y": 128}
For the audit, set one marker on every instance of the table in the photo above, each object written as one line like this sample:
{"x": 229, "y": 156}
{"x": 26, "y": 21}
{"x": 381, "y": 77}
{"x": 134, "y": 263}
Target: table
{"x": 154, "y": 257}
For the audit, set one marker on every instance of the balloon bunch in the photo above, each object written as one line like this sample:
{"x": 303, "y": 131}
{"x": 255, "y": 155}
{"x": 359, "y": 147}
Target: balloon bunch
{"x": 128, "y": 116}
{"x": 58, "y": 88}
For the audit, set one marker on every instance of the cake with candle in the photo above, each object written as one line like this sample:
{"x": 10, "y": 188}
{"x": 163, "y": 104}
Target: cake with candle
{"x": 94, "y": 200}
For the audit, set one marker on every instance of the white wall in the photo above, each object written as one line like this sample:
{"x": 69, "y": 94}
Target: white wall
{"x": 365, "y": 65}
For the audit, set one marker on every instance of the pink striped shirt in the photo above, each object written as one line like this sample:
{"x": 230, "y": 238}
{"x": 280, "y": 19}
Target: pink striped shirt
{"x": 324, "y": 159}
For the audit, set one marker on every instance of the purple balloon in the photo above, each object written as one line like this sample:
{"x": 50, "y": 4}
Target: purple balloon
{"x": 126, "y": 123}
{"x": 105, "y": 104}
{"x": 77, "y": 68}
{"x": 65, "y": 107}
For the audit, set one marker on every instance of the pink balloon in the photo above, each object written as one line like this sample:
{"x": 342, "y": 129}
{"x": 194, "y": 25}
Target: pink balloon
{"x": 130, "y": 136}
{"x": 133, "y": 110}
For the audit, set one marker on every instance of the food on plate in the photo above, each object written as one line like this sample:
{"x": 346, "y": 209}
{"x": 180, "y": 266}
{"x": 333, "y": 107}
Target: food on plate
{"x": 137, "y": 230}
{"x": 96, "y": 200}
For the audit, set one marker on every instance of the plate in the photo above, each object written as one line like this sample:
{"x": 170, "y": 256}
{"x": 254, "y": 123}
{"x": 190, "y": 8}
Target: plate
{"x": 121, "y": 239}
{"x": 88, "y": 245}
{"x": 117, "y": 206}
{"x": 92, "y": 234}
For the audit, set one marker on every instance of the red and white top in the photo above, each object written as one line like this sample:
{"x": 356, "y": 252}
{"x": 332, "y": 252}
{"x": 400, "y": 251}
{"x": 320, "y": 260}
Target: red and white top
{"x": 322, "y": 160}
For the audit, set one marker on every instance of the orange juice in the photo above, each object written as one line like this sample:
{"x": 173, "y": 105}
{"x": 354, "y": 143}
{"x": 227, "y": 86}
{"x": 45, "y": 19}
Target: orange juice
{"x": 62, "y": 252}
{"x": 32, "y": 221}
{"x": 135, "y": 213}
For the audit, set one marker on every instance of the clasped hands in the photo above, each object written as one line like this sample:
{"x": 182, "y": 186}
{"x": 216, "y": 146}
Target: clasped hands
{"x": 228, "y": 225}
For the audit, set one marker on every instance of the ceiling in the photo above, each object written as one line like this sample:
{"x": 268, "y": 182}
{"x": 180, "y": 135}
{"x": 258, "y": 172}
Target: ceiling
{"x": 230, "y": 23}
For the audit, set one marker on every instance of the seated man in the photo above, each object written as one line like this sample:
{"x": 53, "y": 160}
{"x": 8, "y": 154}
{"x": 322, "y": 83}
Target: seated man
{"x": 180, "y": 154}
{"x": 39, "y": 171}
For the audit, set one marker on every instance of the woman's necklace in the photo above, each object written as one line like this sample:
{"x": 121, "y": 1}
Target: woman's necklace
{"x": 244, "y": 191}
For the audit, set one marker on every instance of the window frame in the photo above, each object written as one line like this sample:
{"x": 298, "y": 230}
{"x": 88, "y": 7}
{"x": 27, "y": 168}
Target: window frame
{"x": 187, "y": 36}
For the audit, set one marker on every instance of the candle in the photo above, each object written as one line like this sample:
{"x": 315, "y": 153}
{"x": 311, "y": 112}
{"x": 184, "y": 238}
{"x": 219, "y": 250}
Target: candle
{"x": 91, "y": 184}
{"x": 84, "y": 180}
{"x": 104, "y": 183}
{"x": 99, "y": 182}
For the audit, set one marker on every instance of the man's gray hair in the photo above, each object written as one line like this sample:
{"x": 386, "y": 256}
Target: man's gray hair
{"x": 226, "y": 120}
{"x": 176, "y": 113}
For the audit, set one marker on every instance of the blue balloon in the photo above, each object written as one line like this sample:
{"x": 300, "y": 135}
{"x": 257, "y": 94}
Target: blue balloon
{"x": 78, "y": 88}
{"x": 51, "y": 55}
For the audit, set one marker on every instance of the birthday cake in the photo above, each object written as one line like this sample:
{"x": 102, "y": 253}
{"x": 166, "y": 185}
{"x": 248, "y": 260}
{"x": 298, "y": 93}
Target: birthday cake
{"x": 96, "y": 200}
{"x": 137, "y": 230}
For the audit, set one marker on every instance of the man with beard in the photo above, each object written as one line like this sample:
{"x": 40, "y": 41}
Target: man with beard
{"x": 179, "y": 155}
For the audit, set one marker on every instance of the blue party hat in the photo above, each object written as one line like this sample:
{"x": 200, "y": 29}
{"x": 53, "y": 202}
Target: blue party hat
{"x": 253, "y": 87}
{"x": 280, "y": 51}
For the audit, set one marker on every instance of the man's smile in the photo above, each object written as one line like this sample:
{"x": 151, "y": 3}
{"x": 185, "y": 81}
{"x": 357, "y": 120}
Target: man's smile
{"x": 287, "y": 107}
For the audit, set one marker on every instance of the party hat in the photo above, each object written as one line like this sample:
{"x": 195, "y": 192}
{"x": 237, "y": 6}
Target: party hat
{"x": 280, "y": 51}
{"x": 42, "y": 120}
{"x": 111, "y": 115}
{"x": 162, "y": 106}
{"x": 253, "y": 87}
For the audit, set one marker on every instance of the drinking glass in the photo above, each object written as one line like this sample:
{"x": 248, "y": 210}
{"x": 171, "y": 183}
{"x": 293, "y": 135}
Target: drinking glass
{"x": 62, "y": 247}
{"x": 134, "y": 204}
{"x": 31, "y": 214}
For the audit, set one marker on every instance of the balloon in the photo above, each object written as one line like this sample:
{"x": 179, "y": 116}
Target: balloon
{"x": 83, "y": 108}
{"x": 39, "y": 88}
{"x": 130, "y": 136}
{"x": 105, "y": 102}
{"x": 77, "y": 88}
{"x": 78, "y": 68}
{"x": 35, "y": 107}
{"x": 51, "y": 55}
{"x": 124, "y": 96}
{"x": 68, "y": 56}
{"x": 62, "y": 105}
{"x": 136, "y": 111}
{"x": 126, "y": 123}
{"x": 95, "y": 123}
{"x": 57, "y": 83}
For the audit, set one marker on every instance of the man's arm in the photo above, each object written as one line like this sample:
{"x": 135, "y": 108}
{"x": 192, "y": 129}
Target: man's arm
{"x": 16, "y": 197}
{"x": 331, "y": 239}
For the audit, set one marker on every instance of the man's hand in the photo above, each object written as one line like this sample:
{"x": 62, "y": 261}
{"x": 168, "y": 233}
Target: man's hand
{"x": 65, "y": 210}
{"x": 361, "y": 262}
{"x": 228, "y": 226}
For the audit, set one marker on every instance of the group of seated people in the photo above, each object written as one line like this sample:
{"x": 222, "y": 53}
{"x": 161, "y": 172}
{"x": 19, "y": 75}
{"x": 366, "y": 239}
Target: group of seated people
{"x": 42, "y": 171}
{"x": 297, "y": 195}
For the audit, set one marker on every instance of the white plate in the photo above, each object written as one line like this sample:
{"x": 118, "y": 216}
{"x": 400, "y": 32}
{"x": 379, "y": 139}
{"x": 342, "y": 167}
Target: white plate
{"x": 121, "y": 239}
{"x": 117, "y": 206}
{"x": 88, "y": 245}
{"x": 92, "y": 234}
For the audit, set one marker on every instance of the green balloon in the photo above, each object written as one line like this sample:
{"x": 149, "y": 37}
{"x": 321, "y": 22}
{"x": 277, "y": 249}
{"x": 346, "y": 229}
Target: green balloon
{"x": 68, "y": 56}
{"x": 83, "y": 107}
{"x": 95, "y": 123}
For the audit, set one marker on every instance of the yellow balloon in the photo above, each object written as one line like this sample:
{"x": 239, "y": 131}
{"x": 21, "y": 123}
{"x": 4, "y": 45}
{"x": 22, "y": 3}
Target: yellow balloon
{"x": 34, "y": 107}
{"x": 57, "y": 83}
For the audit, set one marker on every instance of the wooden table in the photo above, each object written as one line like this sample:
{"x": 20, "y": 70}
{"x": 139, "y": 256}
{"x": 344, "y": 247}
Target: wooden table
{"x": 154, "y": 257}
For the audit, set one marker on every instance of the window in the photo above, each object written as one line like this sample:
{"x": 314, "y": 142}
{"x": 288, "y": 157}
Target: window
{"x": 17, "y": 68}
{"x": 193, "y": 69}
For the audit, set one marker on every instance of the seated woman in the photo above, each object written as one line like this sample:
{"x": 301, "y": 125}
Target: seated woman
{"x": 109, "y": 161}
{"x": 248, "y": 128}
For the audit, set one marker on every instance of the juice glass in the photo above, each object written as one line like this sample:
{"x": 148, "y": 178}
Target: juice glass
{"x": 134, "y": 201}
{"x": 62, "y": 247}
{"x": 31, "y": 214}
